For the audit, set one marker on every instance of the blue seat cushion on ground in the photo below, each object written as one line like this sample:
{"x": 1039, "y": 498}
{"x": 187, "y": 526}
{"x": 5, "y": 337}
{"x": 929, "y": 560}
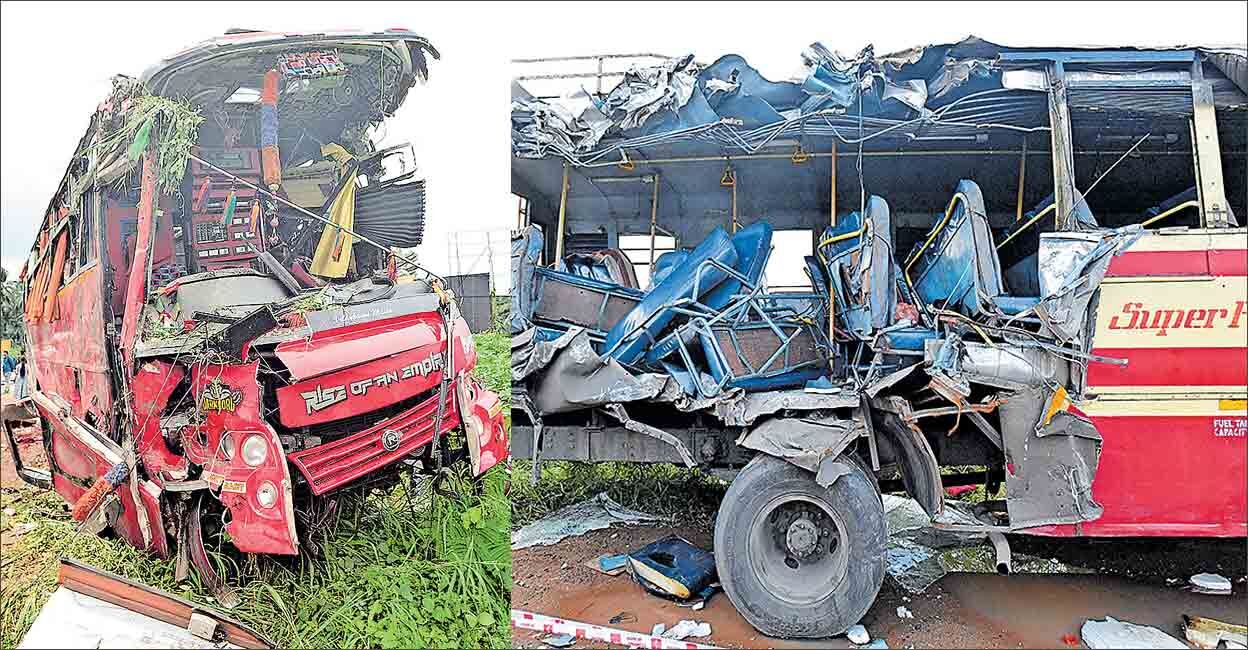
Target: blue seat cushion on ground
{"x": 909, "y": 338}
{"x": 1011, "y": 305}
{"x": 628, "y": 339}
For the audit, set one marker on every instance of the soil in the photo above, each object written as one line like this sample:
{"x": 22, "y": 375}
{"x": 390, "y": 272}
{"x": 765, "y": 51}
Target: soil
{"x": 967, "y": 610}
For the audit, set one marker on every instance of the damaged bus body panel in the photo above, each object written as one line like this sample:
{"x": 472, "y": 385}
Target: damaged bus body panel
{"x": 1087, "y": 352}
{"x": 224, "y": 325}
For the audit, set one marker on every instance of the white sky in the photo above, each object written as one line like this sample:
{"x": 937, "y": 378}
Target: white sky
{"x": 56, "y": 60}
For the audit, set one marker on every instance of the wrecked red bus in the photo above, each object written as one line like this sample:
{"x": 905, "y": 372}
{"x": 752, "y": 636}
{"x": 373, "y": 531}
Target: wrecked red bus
{"x": 225, "y": 329}
{"x": 1026, "y": 261}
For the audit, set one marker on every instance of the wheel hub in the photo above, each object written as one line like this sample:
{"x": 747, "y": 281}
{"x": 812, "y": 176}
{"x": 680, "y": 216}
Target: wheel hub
{"x": 802, "y": 537}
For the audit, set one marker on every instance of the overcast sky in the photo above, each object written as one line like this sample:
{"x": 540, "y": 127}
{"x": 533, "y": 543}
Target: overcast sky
{"x": 57, "y": 60}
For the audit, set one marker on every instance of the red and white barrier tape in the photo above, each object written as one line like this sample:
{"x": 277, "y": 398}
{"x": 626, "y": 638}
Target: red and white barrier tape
{"x": 541, "y": 623}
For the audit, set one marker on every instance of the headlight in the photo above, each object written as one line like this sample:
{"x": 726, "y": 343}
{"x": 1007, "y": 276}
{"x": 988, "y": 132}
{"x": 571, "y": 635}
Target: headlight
{"x": 267, "y": 494}
{"x": 255, "y": 450}
{"x": 227, "y": 446}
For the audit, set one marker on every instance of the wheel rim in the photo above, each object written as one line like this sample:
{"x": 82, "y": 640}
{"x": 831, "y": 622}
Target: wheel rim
{"x": 798, "y": 549}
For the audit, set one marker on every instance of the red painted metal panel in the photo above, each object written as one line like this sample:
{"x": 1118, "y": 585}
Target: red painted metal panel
{"x": 1229, "y": 262}
{"x": 68, "y": 353}
{"x": 362, "y": 388}
{"x": 80, "y": 464}
{"x": 334, "y": 464}
{"x": 229, "y": 398}
{"x": 348, "y": 346}
{"x": 136, "y": 290}
{"x": 1159, "y": 263}
{"x": 1171, "y": 367}
{"x": 1168, "y": 476}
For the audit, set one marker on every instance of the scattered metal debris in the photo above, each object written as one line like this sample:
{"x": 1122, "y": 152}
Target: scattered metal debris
{"x": 595, "y": 513}
{"x": 93, "y": 608}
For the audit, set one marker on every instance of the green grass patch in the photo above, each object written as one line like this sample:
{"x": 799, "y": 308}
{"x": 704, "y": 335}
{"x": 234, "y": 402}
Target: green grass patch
{"x": 400, "y": 575}
{"x": 688, "y": 495}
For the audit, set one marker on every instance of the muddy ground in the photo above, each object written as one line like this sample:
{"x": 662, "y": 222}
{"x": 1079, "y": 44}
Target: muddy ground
{"x": 962, "y": 610}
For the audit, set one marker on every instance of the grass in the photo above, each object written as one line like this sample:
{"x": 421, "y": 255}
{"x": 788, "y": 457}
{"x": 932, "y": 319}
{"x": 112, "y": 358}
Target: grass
{"x": 408, "y": 572}
{"x": 691, "y": 496}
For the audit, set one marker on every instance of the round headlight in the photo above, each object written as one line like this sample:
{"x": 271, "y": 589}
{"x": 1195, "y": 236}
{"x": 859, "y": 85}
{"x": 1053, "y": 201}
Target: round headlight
{"x": 255, "y": 450}
{"x": 227, "y": 445}
{"x": 266, "y": 494}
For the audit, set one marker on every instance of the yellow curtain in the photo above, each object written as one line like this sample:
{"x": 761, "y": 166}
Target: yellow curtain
{"x": 333, "y": 252}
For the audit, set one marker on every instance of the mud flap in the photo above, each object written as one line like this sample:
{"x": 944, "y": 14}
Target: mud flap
{"x": 1049, "y": 467}
{"x": 920, "y": 473}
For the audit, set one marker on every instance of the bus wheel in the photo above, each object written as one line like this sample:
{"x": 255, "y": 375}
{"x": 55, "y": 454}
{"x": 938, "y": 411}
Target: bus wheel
{"x": 798, "y": 559}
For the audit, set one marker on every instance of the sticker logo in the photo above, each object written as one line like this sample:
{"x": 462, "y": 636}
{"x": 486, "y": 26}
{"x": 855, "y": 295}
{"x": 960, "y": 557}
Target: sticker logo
{"x": 321, "y": 397}
{"x": 391, "y": 439}
{"x": 218, "y": 396}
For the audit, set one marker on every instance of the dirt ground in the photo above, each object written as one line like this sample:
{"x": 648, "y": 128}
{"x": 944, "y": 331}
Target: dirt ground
{"x": 966, "y": 610}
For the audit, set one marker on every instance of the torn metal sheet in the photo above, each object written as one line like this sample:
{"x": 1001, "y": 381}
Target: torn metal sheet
{"x": 805, "y": 442}
{"x": 1049, "y": 467}
{"x": 1072, "y": 266}
{"x": 574, "y": 376}
{"x": 617, "y": 411}
{"x": 742, "y": 409}
{"x": 596, "y": 513}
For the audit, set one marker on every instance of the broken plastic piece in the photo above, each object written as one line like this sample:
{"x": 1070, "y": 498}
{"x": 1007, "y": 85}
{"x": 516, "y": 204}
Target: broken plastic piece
{"x": 1211, "y": 583}
{"x": 1111, "y": 633}
{"x": 857, "y": 635}
{"x": 687, "y": 628}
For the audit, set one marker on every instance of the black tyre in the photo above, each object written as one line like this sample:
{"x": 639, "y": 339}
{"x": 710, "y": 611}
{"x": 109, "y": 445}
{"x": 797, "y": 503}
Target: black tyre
{"x": 796, "y": 559}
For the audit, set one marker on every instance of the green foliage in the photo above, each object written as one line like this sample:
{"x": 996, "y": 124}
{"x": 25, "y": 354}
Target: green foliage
{"x": 173, "y": 123}
{"x": 407, "y": 573}
{"x": 690, "y": 495}
{"x": 494, "y": 363}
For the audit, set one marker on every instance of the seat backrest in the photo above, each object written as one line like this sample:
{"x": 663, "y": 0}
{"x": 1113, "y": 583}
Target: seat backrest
{"x": 630, "y": 337}
{"x": 753, "y": 246}
{"x": 956, "y": 262}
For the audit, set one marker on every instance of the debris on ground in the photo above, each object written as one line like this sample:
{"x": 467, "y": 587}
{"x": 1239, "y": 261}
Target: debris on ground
{"x": 577, "y": 519}
{"x": 616, "y": 637}
{"x": 1209, "y": 633}
{"x": 612, "y": 564}
{"x": 687, "y": 628}
{"x": 1112, "y": 633}
{"x": 857, "y": 635}
{"x": 877, "y": 644}
{"x": 1211, "y": 583}
{"x": 673, "y": 568}
{"x": 92, "y": 608}
{"x": 560, "y": 640}
{"x": 904, "y": 612}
